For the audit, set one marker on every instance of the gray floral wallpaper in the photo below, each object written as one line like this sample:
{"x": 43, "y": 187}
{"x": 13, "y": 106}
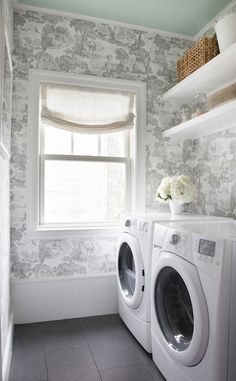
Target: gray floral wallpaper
{"x": 51, "y": 42}
{"x": 212, "y": 163}
{"x": 5, "y": 307}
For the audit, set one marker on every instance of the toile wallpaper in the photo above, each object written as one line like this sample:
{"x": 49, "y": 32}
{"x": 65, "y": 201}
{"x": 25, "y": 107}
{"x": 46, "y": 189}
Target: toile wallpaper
{"x": 51, "y": 42}
{"x": 212, "y": 162}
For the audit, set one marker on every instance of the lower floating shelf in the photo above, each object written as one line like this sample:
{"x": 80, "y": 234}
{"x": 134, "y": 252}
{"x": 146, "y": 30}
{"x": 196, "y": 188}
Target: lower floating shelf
{"x": 219, "y": 119}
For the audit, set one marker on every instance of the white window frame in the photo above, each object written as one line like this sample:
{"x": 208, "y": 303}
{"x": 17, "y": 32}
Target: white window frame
{"x": 137, "y": 167}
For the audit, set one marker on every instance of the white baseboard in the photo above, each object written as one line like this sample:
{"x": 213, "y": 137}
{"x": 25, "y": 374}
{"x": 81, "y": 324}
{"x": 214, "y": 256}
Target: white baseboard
{"x": 56, "y": 299}
{"x": 6, "y": 361}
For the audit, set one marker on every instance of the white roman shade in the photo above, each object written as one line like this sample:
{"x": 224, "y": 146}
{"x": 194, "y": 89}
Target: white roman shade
{"x": 86, "y": 110}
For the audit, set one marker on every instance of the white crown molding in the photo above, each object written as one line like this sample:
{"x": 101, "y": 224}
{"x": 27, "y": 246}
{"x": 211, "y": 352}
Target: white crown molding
{"x": 26, "y": 7}
{"x": 212, "y": 22}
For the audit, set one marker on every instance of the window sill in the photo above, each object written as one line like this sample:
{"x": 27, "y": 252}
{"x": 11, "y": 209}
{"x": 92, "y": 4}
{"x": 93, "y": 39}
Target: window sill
{"x": 62, "y": 233}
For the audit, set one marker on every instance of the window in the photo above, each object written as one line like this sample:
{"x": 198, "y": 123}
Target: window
{"x": 86, "y": 151}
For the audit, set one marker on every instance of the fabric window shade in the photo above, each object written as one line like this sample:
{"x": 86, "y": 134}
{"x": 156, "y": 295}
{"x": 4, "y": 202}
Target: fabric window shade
{"x": 86, "y": 110}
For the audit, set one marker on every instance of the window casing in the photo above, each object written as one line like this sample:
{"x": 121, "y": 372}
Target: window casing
{"x": 44, "y": 163}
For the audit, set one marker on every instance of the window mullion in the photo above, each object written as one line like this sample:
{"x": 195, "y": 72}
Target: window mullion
{"x": 72, "y": 147}
{"x": 111, "y": 159}
{"x": 99, "y": 144}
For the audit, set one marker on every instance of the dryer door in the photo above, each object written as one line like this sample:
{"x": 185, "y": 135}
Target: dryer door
{"x": 180, "y": 309}
{"x": 130, "y": 271}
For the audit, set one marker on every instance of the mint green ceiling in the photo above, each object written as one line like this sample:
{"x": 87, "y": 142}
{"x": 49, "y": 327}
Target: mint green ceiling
{"x": 178, "y": 16}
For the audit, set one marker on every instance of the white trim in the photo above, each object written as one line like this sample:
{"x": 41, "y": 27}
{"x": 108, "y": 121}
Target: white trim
{"x": 63, "y": 277}
{"x": 3, "y": 150}
{"x": 4, "y": 153}
{"x": 6, "y": 362}
{"x": 53, "y": 233}
{"x": 106, "y": 159}
{"x": 212, "y": 21}
{"x": 167, "y": 34}
{"x": 58, "y": 299}
{"x": 138, "y": 183}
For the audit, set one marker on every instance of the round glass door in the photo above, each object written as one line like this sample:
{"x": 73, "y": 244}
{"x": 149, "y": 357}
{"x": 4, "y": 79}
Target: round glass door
{"x": 174, "y": 309}
{"x": 130, "y": 271}
{"x": 127, "y": 271}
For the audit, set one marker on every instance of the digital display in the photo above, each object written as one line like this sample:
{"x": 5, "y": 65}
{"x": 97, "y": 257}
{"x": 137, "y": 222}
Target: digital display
{"x": 207, "y": 247}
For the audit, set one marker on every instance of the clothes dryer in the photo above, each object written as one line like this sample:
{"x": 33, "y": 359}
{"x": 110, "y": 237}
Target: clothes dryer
{"x": 193, "y": 305}
{"x": 134, "y": 257}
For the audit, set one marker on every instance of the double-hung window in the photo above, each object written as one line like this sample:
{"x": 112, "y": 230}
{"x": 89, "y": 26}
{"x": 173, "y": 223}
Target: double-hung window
{"x": 86, "y": 153}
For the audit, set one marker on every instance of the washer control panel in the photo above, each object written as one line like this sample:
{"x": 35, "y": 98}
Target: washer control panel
{"x": 159, "y": 236}
{"x": 178, "y": 242}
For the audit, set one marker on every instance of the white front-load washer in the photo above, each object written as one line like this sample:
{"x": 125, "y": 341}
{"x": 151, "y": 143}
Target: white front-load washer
{"x": 134, "y": 257}
{"x": 193, "y": 304}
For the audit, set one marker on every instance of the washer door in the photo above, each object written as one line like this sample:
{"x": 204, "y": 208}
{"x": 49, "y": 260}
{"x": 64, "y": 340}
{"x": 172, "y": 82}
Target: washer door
{"x": 180, "y": 309}
{"x": 130, "y": 271}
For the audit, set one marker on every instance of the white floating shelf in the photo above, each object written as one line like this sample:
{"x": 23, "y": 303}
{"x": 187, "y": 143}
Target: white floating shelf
{"x": 219, "y": 119}
{"x": 214, "y": 75}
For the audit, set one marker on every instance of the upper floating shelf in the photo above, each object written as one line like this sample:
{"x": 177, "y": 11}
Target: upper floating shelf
{"x": 219, "y": 119}
{"x": 216, "y": 74}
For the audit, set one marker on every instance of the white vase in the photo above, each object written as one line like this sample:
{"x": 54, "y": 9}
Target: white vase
{"x": 226, "y": 31}
{"x": 176, "y": 207}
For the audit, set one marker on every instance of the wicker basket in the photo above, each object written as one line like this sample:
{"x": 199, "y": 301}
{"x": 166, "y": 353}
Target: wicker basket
{"x": 222, "y": 96}
{"x": 202, "y": 52}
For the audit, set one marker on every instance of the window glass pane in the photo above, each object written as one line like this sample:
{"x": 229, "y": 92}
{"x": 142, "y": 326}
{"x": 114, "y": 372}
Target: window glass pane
{"x": 57, "y": 141}
{"x": 114, "y": 144}
{"x": 85, "y": 144}
{"x": 77, "y": 191}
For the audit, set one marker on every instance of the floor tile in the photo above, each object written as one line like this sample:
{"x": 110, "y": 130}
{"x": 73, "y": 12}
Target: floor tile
{"x": 63, "y": 334}
{"x": 129, "y": 373}
{"x": 110, "y": 346}
{"x": 28, "y": 366}
{"x": 98, "y": 327}
{"x": 80, "y": 350}
{"x": 145, "y": 356}
{"x": 28, "y": 337}
{"x": 73, "y": 364}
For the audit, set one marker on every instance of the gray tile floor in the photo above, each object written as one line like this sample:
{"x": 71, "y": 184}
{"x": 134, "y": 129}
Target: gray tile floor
{"x": 85, "y": 349}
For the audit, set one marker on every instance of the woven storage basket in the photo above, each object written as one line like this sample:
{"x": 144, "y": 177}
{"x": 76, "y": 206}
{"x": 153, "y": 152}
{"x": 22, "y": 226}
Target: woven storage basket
{"x": 222, "y": 96}
{"x": 202, "y": 52}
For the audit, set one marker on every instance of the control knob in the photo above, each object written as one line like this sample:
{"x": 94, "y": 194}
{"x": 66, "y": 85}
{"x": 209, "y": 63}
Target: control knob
{"x": 174, "y": 239}
{"x": 127, "y": 223}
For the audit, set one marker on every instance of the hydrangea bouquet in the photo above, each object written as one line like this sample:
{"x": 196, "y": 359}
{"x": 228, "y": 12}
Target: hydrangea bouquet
{"x": 178, "y": 188}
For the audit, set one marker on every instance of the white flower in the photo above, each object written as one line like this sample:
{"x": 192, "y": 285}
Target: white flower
{"x": 163, "y": 191}
{"x": 178, "y": 188}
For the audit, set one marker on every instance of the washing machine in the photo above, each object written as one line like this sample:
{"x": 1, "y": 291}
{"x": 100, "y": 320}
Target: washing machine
{"x": 134, "y": 256}
{"x": 193, "y": 301}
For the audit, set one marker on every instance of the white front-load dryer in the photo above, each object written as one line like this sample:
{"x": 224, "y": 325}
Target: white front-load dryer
{"x": 193, "y": 306}
{"x": 134, "y": 257}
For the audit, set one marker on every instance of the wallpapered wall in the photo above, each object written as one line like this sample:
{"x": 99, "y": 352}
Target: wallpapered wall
{"x": 51, "y": 42}
{"x": 5, "y": 225}
{"x": 212, "y": 163}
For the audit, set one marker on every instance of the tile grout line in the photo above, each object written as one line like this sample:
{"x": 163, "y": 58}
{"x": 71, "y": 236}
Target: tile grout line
{"x": 44, "y": 351}
{"x": 80, "y": 325}
{"x": 95, "y": 362}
